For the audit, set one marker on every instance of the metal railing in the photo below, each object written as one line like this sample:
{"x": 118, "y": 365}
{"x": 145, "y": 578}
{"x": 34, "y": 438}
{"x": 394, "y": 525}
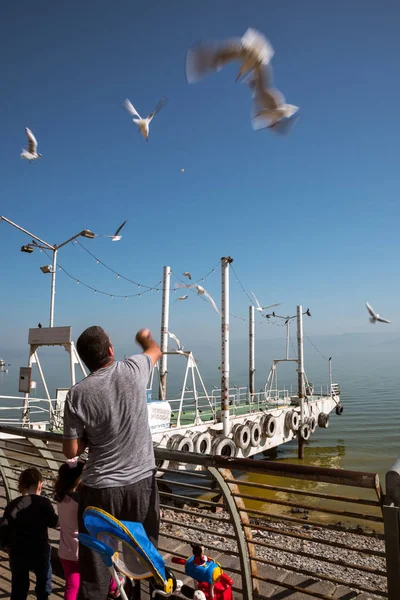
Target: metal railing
{"x": 273, "y": 526}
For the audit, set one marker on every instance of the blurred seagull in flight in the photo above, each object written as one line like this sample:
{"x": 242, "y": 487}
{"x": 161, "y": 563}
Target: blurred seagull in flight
{"x": 116, "y": 237}
{"x": 253, "y": 50}
{"x": 32, "y": 153}
{"x": 143, "y": 124}
{"x": 173, "y": 337}
{"x": 374, "y": 317}
{"x": 183, "y": 297}
{"x": 201, "y": 292}
{"x": 259, "y": 307}
{"x": 187, "y": 274}
{"x": 269, "y": 108}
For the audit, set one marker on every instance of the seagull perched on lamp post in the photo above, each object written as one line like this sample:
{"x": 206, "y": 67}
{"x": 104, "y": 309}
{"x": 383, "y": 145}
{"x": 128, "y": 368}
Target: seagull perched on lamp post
{"x": 143, "y": 124}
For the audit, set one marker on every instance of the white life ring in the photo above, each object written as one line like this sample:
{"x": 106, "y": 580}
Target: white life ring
{"x": 312, "y": 422}
{"x": 223, "y": 446}
{"x": 305, "y": 431}
{"x": 292, "y": 420}
{"x": 180, "y": 443}
{"x": 255, "y": 434}
{"x": 268, "y": 425}
{"x": 202, "y": 443}
{"x": 323, "y": 420}
{"x": 241, "y": 436}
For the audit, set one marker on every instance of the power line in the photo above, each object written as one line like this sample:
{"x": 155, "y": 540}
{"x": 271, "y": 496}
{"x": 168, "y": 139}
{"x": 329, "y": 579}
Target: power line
{"x": 315, "y": 348}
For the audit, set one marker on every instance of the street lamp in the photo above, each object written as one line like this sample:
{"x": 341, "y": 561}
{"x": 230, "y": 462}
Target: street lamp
{"x": 42, "y": 245}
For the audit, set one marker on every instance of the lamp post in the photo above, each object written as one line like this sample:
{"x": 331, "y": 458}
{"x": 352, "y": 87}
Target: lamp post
{"x": 42, "y": 245}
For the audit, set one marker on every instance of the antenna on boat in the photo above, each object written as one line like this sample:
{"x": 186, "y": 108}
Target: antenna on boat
{"x": 252, "y": 368}
{"x": 225, "y": 262}
{"x": 162, "y": 392}
{"x": 300, "y": 376}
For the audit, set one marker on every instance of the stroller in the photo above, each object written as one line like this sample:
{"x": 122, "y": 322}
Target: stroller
{"x": 124, "y": 545}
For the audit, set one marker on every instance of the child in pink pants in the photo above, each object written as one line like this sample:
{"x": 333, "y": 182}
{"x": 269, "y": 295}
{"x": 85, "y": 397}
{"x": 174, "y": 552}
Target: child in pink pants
{"x": 69, "y": 478}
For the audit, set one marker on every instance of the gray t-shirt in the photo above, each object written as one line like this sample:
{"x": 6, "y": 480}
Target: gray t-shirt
{"x": 110, "y": 405}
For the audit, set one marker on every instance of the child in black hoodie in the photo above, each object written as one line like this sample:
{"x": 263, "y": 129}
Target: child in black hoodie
{"x": 23, "y": 531}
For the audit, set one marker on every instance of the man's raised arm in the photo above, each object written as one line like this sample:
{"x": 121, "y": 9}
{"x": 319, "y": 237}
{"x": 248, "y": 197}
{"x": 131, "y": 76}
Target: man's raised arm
{"x": 150, "y": 347}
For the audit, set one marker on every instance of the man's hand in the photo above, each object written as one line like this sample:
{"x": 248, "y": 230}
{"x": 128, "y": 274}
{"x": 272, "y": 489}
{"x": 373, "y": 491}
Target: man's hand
{"x": 150, "y": 347}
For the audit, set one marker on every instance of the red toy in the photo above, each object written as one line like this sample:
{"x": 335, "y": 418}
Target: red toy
{"x": 207, "y": 575}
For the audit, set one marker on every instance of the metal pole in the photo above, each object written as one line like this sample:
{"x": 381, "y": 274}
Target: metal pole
{"x": 31, "y": 235}
{"x": 225, "y": 262}
{"x": 300, "y": 376}
{"x": 164, "y": 333}
{"x": 330, "y": 375}
{"x": 287, "y": 338}
{"x": 251, "y": 352}
{"x": 53, "y": 287}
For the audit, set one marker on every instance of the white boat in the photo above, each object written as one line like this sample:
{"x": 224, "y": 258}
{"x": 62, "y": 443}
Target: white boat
{"x": 228, "y": 421}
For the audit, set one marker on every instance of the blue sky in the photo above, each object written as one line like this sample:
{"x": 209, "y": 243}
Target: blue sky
{"x": 310, "y": 218}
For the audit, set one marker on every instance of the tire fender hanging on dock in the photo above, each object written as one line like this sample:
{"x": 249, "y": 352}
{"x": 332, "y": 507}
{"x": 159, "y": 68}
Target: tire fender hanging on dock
{"x": 312, "y": 423}
{"x": 202, "y": 443}
{"x": 180, "y": 443}
{"x": 339, "y": 409}
{"x": 255, "y": 434}
{"x": 305, "y": 431}
{"x": 292, "y": 420}
{"x": 268, "y": 425}
{"x": 223, "y": 446}
{"x": 323, "y": 420}
{"x": 241, "y": 436}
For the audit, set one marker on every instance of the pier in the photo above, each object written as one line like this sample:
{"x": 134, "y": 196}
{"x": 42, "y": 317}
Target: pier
{"x": 287, "y": 531}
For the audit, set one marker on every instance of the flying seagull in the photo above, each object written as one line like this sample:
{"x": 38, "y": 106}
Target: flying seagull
{"x": 32, "y": 153}
{"x": 173, "y": 337}
{"x": 253, "y": 50}
{"x": 115, "y": 237}
{"x": 374, "y": 317}
{"x": 201, "y": 292}
{"x": 183, "y": 297}
{"x": 187, "y": 274}
{"x": 269, "y": 108}
{"x": 143, "y": 124}
{"x": 259, "y": 307}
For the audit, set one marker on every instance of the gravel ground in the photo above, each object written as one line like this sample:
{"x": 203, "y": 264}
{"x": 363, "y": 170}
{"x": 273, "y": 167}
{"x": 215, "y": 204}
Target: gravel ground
{"x": 285, "y": 549}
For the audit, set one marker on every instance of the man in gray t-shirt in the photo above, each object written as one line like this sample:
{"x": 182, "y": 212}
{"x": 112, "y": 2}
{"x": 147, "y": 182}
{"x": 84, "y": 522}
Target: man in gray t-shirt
{"x": 107, "y": 411}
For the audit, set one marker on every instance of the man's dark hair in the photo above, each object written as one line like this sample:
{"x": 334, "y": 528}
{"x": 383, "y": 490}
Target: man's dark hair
{"x": 29, "y": 478}
{"x": 92, "y": 347}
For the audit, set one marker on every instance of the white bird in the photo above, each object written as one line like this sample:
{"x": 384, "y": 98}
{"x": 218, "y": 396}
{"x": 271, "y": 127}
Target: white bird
{"x": 258, "y": 305}
{"x": 187, "y": 274}
{"x": 143, "y": 124}
{"x": 253, "y": 50}
{"x": 183, "y": 297}
{"x": 115, "y": 237}
{"x": 269, "y": 107}
{"x": 173, "y": 337}
{"x": 32, "y": 153}
{"x": 374, "y": 317}
{"x": 201, "y": 292}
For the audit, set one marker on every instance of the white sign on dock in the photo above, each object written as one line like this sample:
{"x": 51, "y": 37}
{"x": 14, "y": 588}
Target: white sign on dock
{"x": 49, "y": 336}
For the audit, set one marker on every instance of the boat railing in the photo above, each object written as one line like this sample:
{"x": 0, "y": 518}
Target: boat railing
{"x": 39, "y": 409}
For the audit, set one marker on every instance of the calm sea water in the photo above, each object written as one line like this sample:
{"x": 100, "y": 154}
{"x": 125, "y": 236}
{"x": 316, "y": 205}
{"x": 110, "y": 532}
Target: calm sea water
{"x": 367, "y": 435}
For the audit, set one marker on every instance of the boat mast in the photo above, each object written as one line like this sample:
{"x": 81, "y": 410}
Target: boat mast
{"x": 162, "y": 392}
{"x": 251, "y": 352}
{"x": 225, "y": 262}
{"x": 287, "y": 338}
{"x": 300, "y": 376}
